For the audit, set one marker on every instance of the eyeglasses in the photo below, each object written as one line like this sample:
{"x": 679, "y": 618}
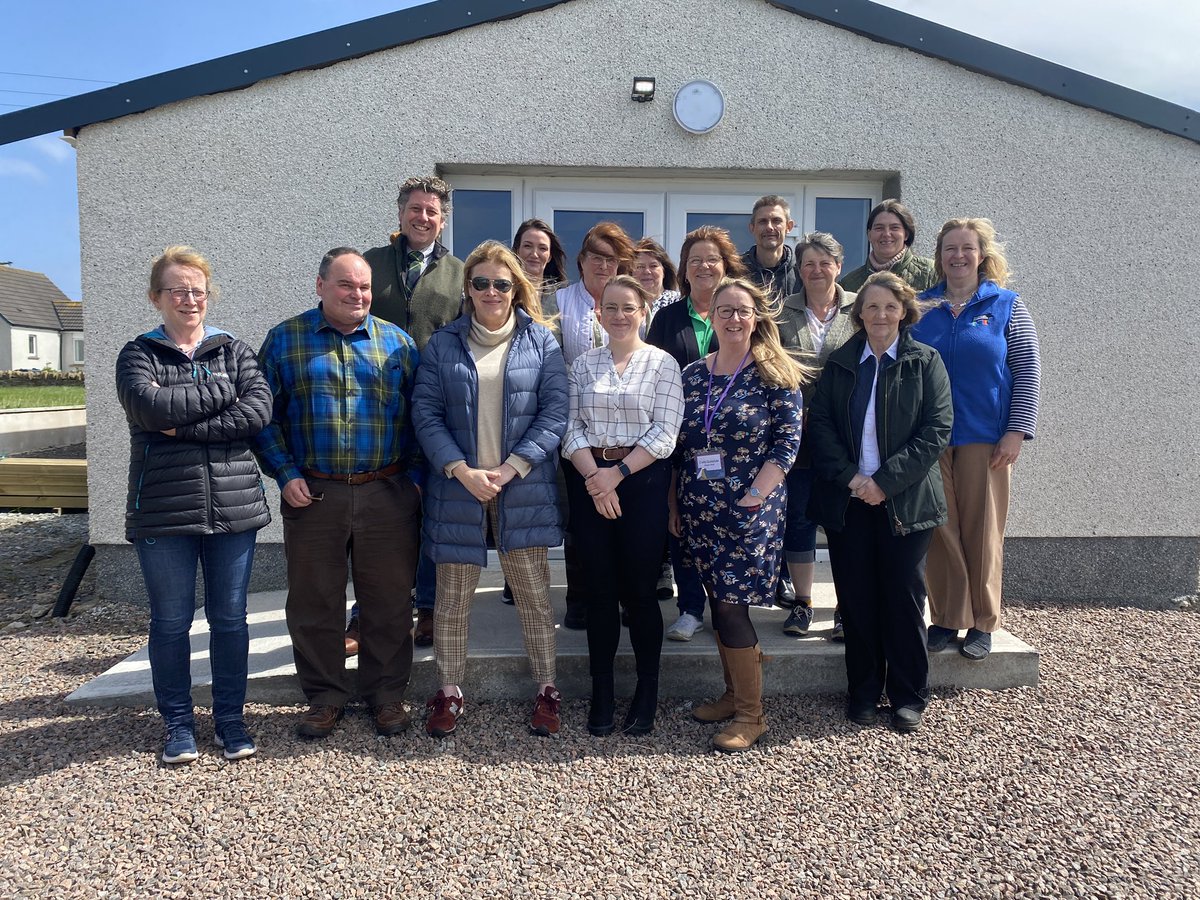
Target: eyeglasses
{"x": 728, "y": 312}
{"x": 602, "y": 258}
{"x": 503, "y": 285}
{"x": 696, "y": 262}
{"x": 179, "y": 295}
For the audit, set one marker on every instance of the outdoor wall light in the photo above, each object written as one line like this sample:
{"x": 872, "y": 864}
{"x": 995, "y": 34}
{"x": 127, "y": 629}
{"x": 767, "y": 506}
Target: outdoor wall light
{"x": 643, "y": 90}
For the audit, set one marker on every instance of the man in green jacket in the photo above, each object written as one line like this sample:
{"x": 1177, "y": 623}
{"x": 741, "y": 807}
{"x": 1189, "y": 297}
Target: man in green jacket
{"x": 417, "y": 284}
{"x": 890, "y": 233}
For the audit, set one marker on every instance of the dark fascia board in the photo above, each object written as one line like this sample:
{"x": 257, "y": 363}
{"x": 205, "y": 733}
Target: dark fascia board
{"x": 325, "y": 48}
{"x": 891, "y": 26}
{"x": 240, "y": 70}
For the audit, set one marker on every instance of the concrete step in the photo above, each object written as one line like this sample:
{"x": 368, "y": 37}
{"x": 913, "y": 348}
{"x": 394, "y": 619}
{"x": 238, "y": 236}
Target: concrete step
{"x": 499, "y": 669}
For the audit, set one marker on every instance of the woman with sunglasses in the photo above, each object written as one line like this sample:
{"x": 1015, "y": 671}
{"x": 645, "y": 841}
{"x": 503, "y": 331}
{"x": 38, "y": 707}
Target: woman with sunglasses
{"x": 490, "y": 408}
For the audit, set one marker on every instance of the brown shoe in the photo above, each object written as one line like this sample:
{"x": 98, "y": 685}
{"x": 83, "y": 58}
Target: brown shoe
{"x": 352, "y": 637}
{"x": 391, "y": 718}
{"x": 423, "y": 635}
{"x": 319, "y": 721}
{"x": 545, "y": 720}
{"x": 443, "y": 714}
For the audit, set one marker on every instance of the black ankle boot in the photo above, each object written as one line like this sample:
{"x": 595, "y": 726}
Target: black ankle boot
{"x": 640, "y": 718}
{"x": 600, "y": 715}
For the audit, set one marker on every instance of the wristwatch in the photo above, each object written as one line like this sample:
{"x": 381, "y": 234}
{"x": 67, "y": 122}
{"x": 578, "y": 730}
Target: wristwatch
{"x": 756, "y": 493}
{"x": 624, "y": 470}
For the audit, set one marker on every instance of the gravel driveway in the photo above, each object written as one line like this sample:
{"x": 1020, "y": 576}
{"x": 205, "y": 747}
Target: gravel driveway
{"x": 1087, "y": 786}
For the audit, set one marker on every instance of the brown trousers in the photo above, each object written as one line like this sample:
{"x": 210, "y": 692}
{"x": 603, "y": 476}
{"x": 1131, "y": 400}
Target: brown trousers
{"x": 965, "y": 567}
{"x": 373, "y": 531}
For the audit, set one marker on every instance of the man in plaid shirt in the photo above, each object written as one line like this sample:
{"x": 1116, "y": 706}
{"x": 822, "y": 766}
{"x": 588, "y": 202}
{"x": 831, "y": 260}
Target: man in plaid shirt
{"x": 342, "y": 448}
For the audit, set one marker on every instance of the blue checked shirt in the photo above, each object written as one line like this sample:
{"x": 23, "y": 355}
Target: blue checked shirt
{"x": 342, "y": 401}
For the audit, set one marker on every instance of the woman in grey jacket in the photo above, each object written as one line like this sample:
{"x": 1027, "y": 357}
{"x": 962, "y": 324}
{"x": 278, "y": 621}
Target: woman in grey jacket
{"x": 194, "y": 398}
{"x": 490, "y": 408}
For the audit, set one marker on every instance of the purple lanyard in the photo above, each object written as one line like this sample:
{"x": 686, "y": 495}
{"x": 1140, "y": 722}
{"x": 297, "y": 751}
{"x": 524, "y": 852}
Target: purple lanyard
{"x": 710, "y": 416}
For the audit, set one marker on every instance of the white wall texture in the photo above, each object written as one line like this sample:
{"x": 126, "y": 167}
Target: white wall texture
{"x": 17, "y": 350}
{"x": 266, "y": 179}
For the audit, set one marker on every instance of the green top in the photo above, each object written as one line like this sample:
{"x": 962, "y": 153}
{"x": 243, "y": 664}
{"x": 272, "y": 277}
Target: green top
{"x": 702, "y": 327}
{"x": 916, "y": 270}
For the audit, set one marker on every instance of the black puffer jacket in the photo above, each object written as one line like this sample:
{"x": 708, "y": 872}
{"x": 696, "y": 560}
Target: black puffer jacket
{"x": 204, "y": 479}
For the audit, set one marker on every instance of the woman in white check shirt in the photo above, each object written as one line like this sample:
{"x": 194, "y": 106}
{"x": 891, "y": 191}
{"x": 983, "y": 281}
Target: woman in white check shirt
{"x": 626, "y": 408}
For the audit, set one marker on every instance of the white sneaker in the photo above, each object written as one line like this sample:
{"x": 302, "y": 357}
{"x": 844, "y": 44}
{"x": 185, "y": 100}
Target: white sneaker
{"x": 685, "y": 626}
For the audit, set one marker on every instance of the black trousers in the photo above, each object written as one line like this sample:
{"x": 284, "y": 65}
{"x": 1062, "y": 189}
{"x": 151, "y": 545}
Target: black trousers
{"x": 880, "y": 582}
{"x": 621, "y": 561}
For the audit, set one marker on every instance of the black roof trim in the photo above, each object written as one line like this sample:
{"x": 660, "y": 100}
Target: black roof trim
{"x": 325, "y": 48}
{"x": 891, "y": 26}
{"x": 240, "y": 70}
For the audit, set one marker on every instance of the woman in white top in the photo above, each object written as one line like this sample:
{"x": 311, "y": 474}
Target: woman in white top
{"x": 626, "y": 404}
{"x": 607, "y": 251}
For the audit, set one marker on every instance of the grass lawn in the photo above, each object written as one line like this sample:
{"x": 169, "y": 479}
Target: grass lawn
{"x": 41, "y": 395}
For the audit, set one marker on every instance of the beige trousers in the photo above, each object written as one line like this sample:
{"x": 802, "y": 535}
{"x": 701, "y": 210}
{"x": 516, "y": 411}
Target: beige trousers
{"x": 528, "y": 574}
{"x": 965, "y": 567}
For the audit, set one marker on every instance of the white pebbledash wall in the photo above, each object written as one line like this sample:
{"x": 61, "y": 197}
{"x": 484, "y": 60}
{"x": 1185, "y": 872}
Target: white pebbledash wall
{"x": 266, "y": 179}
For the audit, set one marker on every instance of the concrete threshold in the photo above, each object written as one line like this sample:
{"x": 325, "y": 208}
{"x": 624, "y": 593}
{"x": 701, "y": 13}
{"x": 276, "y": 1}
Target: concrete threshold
{"x": 499, "y": 669}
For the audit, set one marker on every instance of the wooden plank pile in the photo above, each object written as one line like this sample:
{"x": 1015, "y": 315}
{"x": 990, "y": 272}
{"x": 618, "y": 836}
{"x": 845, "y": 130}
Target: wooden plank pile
{"x": 30, "y": 483}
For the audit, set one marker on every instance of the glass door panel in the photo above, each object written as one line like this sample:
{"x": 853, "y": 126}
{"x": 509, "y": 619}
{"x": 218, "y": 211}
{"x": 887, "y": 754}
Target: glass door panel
{"x": 572, "y": 213}
{"x": 841, "y": 210}
{"x": 687, "y": 211}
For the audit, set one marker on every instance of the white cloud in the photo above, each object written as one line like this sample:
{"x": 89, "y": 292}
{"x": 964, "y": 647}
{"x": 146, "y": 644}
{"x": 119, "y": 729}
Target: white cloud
{"x": 54, "y": 147}
{"x": 20, "y": 168}
{"x": 1149, "y": 47}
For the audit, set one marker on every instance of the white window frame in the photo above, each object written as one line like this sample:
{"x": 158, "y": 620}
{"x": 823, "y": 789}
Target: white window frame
{"x": 77, "y": 349}
{"x": 837, "y": 190}
{"x": 33, "y": 346}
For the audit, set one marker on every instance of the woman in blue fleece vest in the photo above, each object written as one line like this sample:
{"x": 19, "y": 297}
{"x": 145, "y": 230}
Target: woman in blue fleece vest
{"x": 990, "y": 346}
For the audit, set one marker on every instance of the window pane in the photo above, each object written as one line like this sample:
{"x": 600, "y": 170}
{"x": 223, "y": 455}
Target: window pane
{"x": 737, "y": 224}
{"x": 846, "y": 219}
{"x": 480, "y": 216}
{"x": 572, "y": 224}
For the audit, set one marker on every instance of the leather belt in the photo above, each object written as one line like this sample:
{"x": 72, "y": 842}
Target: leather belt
{"x": 353, "y": 477}
{"x": 611, "y": 454}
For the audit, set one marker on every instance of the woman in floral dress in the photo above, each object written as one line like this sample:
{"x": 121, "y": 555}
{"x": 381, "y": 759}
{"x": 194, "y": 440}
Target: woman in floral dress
{"x": 740, "y": 434}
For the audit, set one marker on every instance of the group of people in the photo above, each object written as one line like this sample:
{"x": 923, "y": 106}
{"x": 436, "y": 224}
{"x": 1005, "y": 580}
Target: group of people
{"x": 707, "y": 420}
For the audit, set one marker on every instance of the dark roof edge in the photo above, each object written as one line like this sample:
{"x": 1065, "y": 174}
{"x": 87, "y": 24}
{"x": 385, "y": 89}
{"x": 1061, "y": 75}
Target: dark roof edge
{"x": 241, "y": 70}
{"x": 891, "y": 26}
{"x": 334, "y": 45}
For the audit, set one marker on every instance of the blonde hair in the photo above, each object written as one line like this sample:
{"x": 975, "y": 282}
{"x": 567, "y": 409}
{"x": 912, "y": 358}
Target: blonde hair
{"x": 776, "y": 366}
{"x": 993, "y": 266}
{"x": 525, "y": 296}
{"x": 631, "y": 284}
{"x": 181, "y": 255}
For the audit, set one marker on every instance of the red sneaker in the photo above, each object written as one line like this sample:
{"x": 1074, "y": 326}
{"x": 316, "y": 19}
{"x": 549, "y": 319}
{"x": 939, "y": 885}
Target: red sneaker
{"x": 545, "y": 720}
{"x": 443, "y": 714}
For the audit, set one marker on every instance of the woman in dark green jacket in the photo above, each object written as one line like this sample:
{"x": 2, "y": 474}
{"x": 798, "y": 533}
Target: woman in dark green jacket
{"x": 879, "y": 420}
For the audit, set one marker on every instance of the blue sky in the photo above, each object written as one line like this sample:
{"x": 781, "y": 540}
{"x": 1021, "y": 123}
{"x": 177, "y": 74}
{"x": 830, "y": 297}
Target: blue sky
{"x": 1151, "y": 48}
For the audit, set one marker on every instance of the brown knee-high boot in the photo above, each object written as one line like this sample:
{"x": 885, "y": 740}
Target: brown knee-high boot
{"x": 749, "y": 723}
{"x": 722, "y": 708}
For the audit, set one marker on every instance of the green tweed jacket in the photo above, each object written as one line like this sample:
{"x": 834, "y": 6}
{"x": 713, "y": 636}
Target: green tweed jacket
{"x": 436, "y": 300}
{"x": 916, "y": 270}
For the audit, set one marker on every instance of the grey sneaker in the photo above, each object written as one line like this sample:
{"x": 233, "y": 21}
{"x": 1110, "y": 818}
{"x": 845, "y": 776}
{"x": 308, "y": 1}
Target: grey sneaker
{"x": 685, "y": 626}
{"x": 799, "y": 620}
{"x": 180, "y": 746}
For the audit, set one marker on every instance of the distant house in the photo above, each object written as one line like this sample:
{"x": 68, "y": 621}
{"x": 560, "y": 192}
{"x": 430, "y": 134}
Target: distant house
{"x": 70, "y": 314}
{"x": 32, "y": 334}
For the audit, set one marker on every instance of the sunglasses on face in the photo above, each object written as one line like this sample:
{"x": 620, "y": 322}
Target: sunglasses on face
{"x": 503, "y": 285}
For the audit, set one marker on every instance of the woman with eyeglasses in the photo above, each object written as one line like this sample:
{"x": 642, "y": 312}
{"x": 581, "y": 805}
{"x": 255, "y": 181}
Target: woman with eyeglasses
{"x": 685, "y": 330}
{"x": 740, "y": 434}
{"x": 490, "y": 408}
{"x": 626, "y": 403}
{"x": 606, "y": 251}
{"x": 194, "y": 398}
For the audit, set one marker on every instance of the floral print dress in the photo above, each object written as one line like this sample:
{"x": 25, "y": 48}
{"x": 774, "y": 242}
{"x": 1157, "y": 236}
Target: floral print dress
{"x": 735, "y": 551}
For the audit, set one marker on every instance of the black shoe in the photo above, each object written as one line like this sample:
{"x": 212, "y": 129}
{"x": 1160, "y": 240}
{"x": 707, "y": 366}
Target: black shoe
{"x": 785, "y": 592}
{"x": 799, "y": 621}
{"x": 600, "y": 714}
{"x": 863, "y": 715}
{"x": 976, "y": 645}
{"x": 624, "y": 617}
{"x": 507, "y": 595}
{"x": 906, "y": 718}
{"x": 643, "y": 706}
{"x": 665, "y": 589}
{"x": 939, "y": 638}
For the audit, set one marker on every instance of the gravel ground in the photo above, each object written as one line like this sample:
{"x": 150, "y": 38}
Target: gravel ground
{"x": 1086, "y": 786}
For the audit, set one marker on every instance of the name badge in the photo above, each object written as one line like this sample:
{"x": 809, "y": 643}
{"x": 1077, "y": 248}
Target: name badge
{"x": 710, "y": 466}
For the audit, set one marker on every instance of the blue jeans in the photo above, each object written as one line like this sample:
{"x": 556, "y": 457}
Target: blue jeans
{"x": 169, "y": 569}
{"x": 800, "y": 532}
{"x": 692, "y": 598}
